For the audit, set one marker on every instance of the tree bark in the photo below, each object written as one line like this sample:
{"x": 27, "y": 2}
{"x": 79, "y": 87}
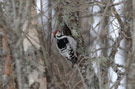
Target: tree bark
{"x": 131, "y": 60}
{"x": 86, "y": 71}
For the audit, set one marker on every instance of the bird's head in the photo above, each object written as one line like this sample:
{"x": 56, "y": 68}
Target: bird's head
{"x": 57, "y": 34}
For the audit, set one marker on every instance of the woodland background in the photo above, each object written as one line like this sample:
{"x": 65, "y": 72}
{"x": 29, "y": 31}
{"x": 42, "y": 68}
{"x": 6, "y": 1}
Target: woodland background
{"x": 103, "y": 29}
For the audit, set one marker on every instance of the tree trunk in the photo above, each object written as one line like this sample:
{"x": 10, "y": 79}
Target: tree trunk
{"x": 131, "y": 60}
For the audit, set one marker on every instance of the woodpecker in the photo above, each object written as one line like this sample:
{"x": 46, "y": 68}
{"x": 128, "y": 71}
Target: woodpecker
{"x": 66, "y": 46}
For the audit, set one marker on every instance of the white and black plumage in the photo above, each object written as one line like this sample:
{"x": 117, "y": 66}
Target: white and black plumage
{"x": 66, "y": 46}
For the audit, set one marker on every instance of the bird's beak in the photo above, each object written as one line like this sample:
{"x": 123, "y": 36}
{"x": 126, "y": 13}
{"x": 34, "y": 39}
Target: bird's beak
{"x": 54, "y": 36}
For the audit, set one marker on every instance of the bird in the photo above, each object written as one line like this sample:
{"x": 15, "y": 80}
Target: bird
{"x": 66, "y": 45}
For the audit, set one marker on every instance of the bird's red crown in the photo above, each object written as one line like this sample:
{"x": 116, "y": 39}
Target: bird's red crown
{"x": 54, "y": 33}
